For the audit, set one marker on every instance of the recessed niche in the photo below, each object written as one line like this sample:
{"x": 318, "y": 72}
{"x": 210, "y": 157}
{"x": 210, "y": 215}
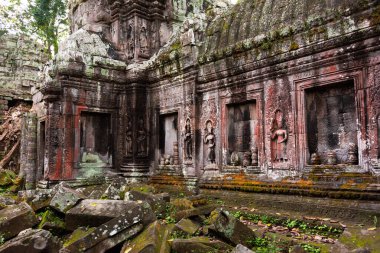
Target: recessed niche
{"x": 331, "y": 120}
{"x": 95, "y": 138}
{"x": 168, "y": 137}
{"x": 241, "y": 123}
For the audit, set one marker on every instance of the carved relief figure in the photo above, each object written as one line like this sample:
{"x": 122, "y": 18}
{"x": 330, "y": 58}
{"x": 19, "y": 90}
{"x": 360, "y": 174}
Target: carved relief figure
{"x": 188, "y": 141}
{"x": 209, "y": 140}
{"x": 130, "y": 42}
{"x": 128, "y": 137}
{"x": 141, "y": 138}
{"x": 143, "y": 41}
{"x": 279, "y": 137}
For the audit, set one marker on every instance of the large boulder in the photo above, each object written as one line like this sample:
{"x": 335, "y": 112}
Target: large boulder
{"x": 199, "y": 245}
{"x": 32, "y": 241}
{"x": 16, "y": 218}
{"x": 65, "y": 198}
{"x": 114, "y": 231}
{"x": 153, "y": 239}
{"x": 94, "y": 212}
{"x": 230, "y": 229}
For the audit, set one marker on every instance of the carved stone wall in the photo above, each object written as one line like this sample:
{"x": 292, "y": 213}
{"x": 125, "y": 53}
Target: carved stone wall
{"x": 247, "y": 93}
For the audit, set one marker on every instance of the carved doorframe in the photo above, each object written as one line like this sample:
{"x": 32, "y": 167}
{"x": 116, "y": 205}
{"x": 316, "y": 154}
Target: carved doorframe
{"x": 245, "y": 95}
{"x": 302, "y": 85}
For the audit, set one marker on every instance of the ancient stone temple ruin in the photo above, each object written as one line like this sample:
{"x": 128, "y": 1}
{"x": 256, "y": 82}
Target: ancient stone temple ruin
{"x": 195, "y": 90}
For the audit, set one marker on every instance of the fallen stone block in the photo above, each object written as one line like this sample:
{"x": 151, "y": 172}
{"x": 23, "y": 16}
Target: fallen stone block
{"x": 157, "y": 202}
{"x": 153, "y": 239}
{"x": 65, "y": 198}
{"x": 241, "y": 249}
{"x": 195, "y": 212}
{"x": 6, "y": 201}
{"x": 128, "y": 224}
{"x": 199, "y": 245}
{"x": 32, "y": 241}
{"x": 94, "y": 212}
{"x": 16, "y": 218}
{"x": 188, "y": 226}
{"x": 112, "y": 192}
{"x": 38, "y": 199}
{"x": 230, "y": 229}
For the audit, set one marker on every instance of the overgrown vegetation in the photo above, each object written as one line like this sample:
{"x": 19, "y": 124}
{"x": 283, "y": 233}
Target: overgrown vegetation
{"x": 43, "y": 19}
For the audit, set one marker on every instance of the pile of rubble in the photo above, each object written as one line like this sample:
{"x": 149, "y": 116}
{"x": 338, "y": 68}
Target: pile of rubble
{"x": 117, "y": 218}
{"x": 10, "y": 135}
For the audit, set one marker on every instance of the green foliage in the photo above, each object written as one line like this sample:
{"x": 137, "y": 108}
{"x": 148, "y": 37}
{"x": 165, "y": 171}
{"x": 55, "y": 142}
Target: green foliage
{"x": 47, "y": 16}
{"x": 310, "y": 248}
{"x": 42, "y": 19}
{"x": 2, "y": 239}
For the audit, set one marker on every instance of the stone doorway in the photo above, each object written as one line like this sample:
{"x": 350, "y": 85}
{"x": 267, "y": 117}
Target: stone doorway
{"x": 331, "y": 123}
{"x": 168, "y": 139}
{"x": 95, "y": 140}
{"x": 241, "y": 124}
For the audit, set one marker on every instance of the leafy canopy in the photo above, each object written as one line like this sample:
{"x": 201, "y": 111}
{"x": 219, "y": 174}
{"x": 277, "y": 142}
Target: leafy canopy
{"x": 43, "y": 19}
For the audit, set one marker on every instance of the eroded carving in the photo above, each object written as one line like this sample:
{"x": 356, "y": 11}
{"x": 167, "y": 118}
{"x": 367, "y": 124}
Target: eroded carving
{"x": 128, "y": 137}
{"x": 141, "y": 138}
{"x": 279, "y": 137}
{"x": 188, "y": 141}
{"x": 209, "y": 140}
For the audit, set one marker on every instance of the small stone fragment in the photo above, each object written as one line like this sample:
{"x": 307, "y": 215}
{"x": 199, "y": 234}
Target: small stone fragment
{"x": 188, "y": 226}
{"x": 241, "y": 249}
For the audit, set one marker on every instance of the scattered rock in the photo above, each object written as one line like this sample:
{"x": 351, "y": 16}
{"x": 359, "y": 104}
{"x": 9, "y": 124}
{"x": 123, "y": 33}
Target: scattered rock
{"x": 65, "y": 198}
{"x": 153, "y": 239}
{"x": 229, "y": 228}
{"x": 94, "y": 212}
{"x": 198, "y": 200}
{"x": 16, "y": 218}
{"x": 32, "y": 241}
{"x": 157, "y": 202}
{"x": 38, "y": 199}
{"x": 199, "y": 245}
{"x": 128, "y": 224}
{"x": 195, "y": 212}
{"x": 182, "y": 204}
{"x": 112, "y": 192}
{"x": 188, "y": 226}
{"x": 6, "y": 201}
{"x": 241, "y": 249}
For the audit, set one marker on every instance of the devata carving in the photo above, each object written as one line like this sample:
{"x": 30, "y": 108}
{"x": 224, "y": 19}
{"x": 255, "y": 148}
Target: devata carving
{"x": 279, "y": 137}
{"x": 143, "y": 41}
{"x": 141, "y": 138}
{"x": 128, "y": 137}
{"x": 188, "y": 140}
{"x": 209, "y": 140}
{"x": 130, "y": 41}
